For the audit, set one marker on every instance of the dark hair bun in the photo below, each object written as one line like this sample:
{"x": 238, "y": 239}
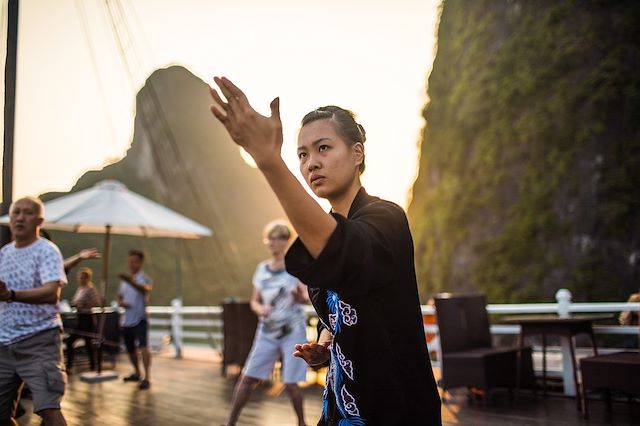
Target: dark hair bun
{"x": 362, "y": 131}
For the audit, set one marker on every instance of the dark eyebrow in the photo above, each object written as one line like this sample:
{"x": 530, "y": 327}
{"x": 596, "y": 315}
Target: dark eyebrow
{"x": 316, "y": 142}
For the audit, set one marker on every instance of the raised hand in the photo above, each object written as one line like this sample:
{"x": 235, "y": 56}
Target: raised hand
{"x": 89, "y": 253}
{"x": 260, "y": 136}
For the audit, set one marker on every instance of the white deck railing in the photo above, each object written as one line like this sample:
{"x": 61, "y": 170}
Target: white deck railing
{"x": 202, "y": 325}
{"x": 551, "y": 308}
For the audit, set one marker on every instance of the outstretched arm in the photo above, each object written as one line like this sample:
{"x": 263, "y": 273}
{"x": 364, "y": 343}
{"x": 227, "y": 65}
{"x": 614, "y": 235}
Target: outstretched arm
{"x": 89, "y": 253}
{"x": 261, "y": 137}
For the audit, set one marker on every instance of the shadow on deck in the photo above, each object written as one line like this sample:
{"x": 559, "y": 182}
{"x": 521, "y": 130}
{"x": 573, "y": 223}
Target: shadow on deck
{"x": 192, "y": 391}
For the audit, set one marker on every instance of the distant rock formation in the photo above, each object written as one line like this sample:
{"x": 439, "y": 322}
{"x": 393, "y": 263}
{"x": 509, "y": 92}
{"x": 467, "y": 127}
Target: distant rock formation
{"x": 182, "y": 158}
{"x": 529, "y": 175}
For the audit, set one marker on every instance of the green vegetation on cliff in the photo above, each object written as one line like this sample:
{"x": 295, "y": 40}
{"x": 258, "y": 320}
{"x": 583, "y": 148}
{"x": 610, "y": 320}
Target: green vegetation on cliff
{"x": 530, "y": 161}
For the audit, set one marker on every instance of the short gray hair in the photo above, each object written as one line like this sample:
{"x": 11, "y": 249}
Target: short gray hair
{"x": 278, "y": 227}
{"x": 37, "y": 203}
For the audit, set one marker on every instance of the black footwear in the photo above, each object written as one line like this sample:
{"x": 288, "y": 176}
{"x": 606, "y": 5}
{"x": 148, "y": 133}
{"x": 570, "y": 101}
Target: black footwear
{"x": 132, "y": 378}
{"x": 145, "y": 384}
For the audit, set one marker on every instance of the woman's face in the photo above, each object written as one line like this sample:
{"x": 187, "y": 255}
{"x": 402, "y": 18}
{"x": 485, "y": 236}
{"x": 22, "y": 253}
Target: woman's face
{"x": 328, "y": 164}
{"x": 83, "y": 278}
{"x": 276, "y": 243}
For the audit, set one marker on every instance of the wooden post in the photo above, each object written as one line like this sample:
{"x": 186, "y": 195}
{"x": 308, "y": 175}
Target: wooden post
{"x": 105, "y": 277}
{"x": 105, "y": 263}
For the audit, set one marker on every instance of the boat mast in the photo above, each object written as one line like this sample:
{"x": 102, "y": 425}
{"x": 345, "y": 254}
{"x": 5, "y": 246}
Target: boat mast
{"x": 9, "y": 114}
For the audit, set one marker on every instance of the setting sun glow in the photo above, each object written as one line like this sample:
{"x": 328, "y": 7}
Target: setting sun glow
{"x": 76, "y": 88}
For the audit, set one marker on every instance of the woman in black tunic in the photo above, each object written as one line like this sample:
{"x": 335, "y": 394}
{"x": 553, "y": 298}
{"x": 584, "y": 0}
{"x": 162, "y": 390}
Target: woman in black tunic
{"x": 356, "y": 260}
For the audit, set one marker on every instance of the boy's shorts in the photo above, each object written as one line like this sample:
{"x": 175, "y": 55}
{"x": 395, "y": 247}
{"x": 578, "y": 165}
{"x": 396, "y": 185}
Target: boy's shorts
{"x": 267, "y": 350}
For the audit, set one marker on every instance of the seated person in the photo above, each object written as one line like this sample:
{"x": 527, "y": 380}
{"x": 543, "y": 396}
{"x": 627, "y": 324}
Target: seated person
{"x": 630, "y": 317}
{"x": 85, "y": 298}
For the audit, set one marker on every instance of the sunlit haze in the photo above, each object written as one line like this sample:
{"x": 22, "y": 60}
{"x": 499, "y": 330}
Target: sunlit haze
{"x": 75, "y": 108}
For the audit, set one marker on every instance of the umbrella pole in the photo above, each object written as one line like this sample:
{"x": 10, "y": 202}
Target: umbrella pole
{"x": 98, "y": 376}
{"x": 105, "y": 276}
{"x": 105, "y": 262}
{"x": 178, "y": 270}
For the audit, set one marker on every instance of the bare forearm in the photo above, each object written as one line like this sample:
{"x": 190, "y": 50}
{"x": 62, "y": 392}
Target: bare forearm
{"x": 313, "y": 225}
{"x": 256, "y": 307}
{"x": 38, "y": 296}
{"x": 325, "y": 337}
{"x": 142, "y": 288}
{"x": 72, "y": 261}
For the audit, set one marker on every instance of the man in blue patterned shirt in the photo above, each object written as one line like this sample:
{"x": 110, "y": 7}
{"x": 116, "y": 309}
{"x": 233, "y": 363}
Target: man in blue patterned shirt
{"x": 31, "y": 275}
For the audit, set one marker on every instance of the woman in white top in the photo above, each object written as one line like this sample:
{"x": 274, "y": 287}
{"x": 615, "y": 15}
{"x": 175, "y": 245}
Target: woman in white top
{"x": 276, "y": 299}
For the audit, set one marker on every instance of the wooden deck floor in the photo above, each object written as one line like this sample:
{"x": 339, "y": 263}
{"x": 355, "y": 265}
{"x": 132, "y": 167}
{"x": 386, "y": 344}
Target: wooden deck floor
{"x": 192, "y": 392}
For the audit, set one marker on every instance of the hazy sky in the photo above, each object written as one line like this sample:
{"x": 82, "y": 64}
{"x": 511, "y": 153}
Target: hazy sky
{"x": 75, "y": 108}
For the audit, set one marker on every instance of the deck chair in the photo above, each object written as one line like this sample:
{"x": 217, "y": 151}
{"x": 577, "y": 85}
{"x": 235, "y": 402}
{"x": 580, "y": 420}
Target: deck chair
{"x": 468, "y": 357}
{"x": 239, "y": 324}
{"x": 615, "y": 371}
{"x": 110, "y": 345}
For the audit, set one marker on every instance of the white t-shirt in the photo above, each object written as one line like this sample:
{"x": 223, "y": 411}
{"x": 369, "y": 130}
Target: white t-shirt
{"x": 25, "y": 268}
{"x": 276, "y": 289}
{"x": 137, "y": 301}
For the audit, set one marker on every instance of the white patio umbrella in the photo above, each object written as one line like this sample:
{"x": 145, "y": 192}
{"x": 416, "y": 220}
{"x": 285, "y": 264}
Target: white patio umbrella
{"x": 110, "y": 208}
{"x": 110, "y": 204}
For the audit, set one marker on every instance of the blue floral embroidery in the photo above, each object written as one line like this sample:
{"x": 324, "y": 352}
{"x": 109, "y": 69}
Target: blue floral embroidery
{"x": 325, "y": 399}
{"x": 354, "y": 421}
{"x": 340, "y": 313}
{"x": 333, "y": 302}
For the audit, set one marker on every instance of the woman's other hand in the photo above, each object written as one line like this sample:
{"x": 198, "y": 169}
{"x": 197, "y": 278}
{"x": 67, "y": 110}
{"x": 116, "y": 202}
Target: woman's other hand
{"x": 314, "y": 354}
{"x": 260, "y": 136}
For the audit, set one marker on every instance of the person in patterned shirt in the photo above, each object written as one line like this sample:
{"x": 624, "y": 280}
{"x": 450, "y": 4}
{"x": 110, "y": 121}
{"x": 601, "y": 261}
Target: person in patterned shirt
{"x": 31, "y": 276}
{"x": 357, "y": 261}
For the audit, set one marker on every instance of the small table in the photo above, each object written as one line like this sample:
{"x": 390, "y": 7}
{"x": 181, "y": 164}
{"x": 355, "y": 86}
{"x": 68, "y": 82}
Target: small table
{"x": 565, "y": 327}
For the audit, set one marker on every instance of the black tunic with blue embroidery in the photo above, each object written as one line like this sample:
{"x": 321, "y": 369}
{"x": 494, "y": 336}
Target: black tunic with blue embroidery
{"x": 363, "y": 287}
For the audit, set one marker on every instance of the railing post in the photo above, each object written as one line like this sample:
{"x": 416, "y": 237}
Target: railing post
{"x": 176, "y": 326}
{"x": 563, "y": 296}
